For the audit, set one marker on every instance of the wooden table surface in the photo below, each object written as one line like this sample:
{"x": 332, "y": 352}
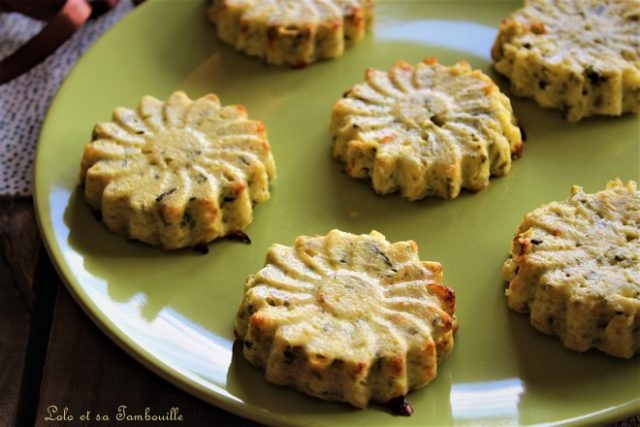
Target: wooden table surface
{"x": 53, "y": 357}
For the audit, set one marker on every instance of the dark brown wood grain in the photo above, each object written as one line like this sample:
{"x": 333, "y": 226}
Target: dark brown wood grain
{"x": 14, "y": 338}
{"x": 19, "y": 243}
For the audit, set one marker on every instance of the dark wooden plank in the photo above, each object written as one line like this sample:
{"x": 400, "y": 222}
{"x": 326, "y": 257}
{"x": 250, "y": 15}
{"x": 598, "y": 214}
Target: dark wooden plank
{"x": 19, "y": 245}
{"x": 45, "y": 286}
{"x": 85, "y": 371}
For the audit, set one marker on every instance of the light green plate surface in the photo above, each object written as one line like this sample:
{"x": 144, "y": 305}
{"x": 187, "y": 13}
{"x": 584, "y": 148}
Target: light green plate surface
{"x": 174, "y": 311}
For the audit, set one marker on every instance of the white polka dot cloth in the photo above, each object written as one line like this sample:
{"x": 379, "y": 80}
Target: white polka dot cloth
{"x": 25, "y": 100}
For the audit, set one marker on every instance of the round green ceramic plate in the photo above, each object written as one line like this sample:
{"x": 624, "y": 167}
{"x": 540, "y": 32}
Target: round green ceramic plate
{"x": 174, "y": 311}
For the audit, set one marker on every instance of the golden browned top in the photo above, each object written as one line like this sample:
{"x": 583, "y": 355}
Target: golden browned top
{"x": 353, "y": 297}
{"x": 598, "y": 35}
{"x": 182, "y": 147}
{"x": 588, "y": 244}
{"x": 430, "y": 128}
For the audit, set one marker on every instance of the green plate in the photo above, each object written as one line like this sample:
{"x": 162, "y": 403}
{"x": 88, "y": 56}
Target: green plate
{"x": 174, "y": 311}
